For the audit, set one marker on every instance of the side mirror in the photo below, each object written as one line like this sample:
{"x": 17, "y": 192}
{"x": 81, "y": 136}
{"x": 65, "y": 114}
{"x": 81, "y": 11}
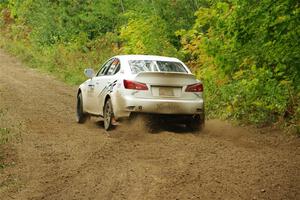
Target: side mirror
{"x": 89, "y": 73}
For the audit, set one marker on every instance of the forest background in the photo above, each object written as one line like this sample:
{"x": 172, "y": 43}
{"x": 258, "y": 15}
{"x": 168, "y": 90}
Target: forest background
{"x": 246, "y": 52}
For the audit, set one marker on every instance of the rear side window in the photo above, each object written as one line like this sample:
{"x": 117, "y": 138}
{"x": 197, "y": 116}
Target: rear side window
{"x": 137, "y": 66}
{"x": 111, "y": 67}
{"x": 103, "y": 70}
{"x": 114, "y": 67}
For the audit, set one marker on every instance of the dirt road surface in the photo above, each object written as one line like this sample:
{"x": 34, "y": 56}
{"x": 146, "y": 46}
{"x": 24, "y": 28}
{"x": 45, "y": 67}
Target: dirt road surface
{"x": 56, "y": 158}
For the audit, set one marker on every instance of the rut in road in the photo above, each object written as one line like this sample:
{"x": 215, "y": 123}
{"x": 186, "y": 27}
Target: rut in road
{"x": 59, "y": 159}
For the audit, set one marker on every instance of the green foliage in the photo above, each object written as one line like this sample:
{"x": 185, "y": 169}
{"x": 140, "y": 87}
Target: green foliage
{"x": 246, "y": 52}
{"x": 252, "y": 96}
{"x": 146, "y": 36}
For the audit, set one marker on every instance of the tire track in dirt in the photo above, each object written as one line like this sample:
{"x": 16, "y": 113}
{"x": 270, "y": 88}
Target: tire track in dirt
{"x": 59, "y": 159}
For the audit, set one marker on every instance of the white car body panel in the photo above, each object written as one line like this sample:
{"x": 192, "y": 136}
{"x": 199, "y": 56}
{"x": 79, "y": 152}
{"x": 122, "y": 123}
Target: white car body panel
{"x": 165, "y": 95}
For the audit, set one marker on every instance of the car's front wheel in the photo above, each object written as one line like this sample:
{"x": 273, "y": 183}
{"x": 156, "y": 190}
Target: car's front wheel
{"x": 81, "y": 117}
{"x": 108, "y": 115}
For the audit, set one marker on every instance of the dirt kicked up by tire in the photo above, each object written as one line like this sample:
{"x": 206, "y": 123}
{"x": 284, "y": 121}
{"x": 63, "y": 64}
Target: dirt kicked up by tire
{"x": 57, "y": 158}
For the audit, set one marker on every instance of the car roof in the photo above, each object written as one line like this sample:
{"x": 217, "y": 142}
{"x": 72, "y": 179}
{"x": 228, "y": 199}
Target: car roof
{"x": 147, "y": 57}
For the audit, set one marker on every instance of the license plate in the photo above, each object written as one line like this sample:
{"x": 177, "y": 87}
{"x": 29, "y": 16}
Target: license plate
{"x": 165, "y": 91}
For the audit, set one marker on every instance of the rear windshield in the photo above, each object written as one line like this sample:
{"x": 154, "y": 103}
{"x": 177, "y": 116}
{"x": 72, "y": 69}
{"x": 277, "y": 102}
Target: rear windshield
{"x": 155, "y": 66}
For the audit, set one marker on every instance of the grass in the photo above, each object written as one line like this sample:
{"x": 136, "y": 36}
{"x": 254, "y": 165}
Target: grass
{"x": 4, "y": 134}
{"x": 9, "y": 131}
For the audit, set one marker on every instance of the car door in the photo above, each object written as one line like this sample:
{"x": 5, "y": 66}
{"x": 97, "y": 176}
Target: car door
{"x": 103, "y": 84}
{"x": 92, "y": 86}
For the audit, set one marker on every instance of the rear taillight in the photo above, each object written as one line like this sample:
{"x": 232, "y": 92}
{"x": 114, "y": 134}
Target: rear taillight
{"x": 198, "y": 87}
{"x": 134, "y": 85}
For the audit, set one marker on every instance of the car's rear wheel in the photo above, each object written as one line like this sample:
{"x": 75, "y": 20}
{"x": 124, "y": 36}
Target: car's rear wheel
{"x": 108, "y": 115}
{"x": 196, "y": 123}
{"x": 81, "y": 117}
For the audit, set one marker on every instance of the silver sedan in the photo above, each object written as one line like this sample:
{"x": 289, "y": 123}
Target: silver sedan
{"x": 130, "y": 84}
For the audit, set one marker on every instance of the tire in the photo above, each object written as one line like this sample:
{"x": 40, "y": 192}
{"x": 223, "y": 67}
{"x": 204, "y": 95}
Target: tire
{"x": 108, "y": 115}
{"x": 152, "y": 124}
{"x": 196, "y": 123}
{"x": 81, "y": 117}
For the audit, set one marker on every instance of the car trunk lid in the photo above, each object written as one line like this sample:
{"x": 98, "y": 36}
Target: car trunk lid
{"x": 166, "y": 84}
{"x": 165, "y": 78}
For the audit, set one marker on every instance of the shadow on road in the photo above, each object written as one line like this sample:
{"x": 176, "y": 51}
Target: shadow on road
{"x": 148, "y": 126}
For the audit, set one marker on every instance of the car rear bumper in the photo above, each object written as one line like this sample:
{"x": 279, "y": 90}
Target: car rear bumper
{"x": 128, "y": 104}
